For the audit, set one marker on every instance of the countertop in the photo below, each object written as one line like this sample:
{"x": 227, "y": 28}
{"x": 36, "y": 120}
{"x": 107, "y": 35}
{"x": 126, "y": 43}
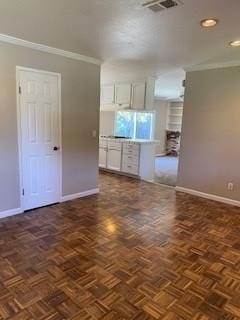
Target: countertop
{"x": 133, "y": 141}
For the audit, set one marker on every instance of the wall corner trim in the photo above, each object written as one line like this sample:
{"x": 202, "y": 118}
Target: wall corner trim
{"x": 47, "y": 49}
{"x": 80, "y": 195}
{"x": 9, "y": 213}
{"x": 209, "y": 196}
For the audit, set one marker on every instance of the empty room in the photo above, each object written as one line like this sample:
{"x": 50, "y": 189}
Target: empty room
{"x": 119, "y": 167}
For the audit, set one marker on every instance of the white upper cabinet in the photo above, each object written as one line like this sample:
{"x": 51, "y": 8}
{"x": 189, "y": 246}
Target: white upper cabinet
{"x": 138, "y": 96}
{"x": 123, "y": 94}
{"x": 107, "y": 94}
{"x": 149, "y": 103}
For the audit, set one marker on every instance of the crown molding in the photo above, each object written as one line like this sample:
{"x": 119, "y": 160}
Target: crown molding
{"x": 213, "y": 66}
{"x": 47, "y": 49}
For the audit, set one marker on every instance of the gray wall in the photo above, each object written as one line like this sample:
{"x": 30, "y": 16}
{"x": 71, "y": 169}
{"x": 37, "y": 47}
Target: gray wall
{"x": 210, "y": 153}
{"x": 80, "y": 115}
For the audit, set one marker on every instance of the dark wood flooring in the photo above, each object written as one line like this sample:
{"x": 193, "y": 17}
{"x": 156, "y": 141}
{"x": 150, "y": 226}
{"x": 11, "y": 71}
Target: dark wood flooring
{"x": 135, "y": 251}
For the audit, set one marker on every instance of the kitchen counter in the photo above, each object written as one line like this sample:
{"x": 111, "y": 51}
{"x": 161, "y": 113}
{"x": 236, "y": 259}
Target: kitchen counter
{"x": 133, "y": 157}
{"x": 133, "y": 141}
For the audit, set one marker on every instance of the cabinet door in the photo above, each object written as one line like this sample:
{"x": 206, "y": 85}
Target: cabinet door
{"x": 114, "y": 159}
{"x": 138, "y": 96}
{"x": 123, "y": 94}
{"x": 107, "y": 94}
{"x": 102, "y": 157}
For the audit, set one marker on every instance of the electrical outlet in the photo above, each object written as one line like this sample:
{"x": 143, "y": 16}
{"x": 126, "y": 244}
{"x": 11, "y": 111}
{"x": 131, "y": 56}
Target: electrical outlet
{"x": 230, "y": 186}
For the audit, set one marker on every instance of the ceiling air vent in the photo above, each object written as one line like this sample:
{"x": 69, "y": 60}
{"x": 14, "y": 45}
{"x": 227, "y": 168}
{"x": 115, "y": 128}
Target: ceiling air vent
{"x": 160, "y": 5}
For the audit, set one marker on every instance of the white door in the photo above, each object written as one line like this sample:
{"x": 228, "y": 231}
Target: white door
{"x": 40, "y": 138}
{"x": 102, "y": 157}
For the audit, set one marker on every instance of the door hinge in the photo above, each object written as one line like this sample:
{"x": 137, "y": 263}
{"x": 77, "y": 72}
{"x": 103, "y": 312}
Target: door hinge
{"x": 23, "y": 192}
{"x": 20, "y": 90}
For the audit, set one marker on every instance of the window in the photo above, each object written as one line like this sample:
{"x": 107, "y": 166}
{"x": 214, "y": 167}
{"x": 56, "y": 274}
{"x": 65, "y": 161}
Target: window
{"x": 124, "y": 124}
{"x": 143, "y": 125}
{"x": 135, "y": 125}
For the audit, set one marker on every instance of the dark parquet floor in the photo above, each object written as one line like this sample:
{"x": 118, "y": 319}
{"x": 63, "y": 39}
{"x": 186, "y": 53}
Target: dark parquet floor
{"x": 135, "y": 251}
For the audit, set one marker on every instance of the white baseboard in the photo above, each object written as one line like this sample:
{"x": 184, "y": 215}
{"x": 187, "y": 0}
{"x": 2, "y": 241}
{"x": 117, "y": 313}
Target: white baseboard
{"x": 209, "y": 196}
{"x": 80, "y": 195}
{"x": 13, "y": 212}
{"x": 9, "y": 213}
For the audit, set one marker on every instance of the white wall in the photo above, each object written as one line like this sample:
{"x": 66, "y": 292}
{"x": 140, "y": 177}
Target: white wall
{"x": 107, "y": 120}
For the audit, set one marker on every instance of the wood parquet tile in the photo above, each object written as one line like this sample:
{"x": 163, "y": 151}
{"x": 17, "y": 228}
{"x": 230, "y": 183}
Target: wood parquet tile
{"x": 135, "y": 251}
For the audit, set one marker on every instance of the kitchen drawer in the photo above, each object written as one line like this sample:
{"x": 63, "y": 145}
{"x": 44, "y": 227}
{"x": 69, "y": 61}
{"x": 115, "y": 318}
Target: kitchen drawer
{"x": 132, "y": 152}
{"x": 131, "y": 149}
{"x": 115, "y": 145}
{"x": 130, "y": 159}
{"x": 102, "y": 143}
{"x": 130, "y": 168}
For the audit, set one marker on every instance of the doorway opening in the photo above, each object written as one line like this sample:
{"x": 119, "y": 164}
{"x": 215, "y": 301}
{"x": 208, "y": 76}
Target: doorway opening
{"x": 166, "y": 164}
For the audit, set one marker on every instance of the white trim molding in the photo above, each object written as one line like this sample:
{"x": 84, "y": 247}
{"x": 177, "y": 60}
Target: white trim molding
{"x": 9, "y": 213}
{"x": 13, "y": 212}
{"x": 163, "y": 154}
{"x": 219, "y": 65}
{"x": 209, "y": 196}
{"x": 80, "y": 195}
{"x": 47, "y": 49}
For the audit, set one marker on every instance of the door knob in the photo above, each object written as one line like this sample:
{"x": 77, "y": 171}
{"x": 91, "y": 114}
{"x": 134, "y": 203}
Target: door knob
{"x": 55, "y": 148}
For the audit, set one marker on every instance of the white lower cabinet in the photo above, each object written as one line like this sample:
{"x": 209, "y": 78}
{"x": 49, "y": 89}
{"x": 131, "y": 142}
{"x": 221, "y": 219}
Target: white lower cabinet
{"x": 130, "y": 168}
{"x": 102, "y": 157}
{"x": 130, "y": 158}
{"x": 114, "y": 159}
{"x": 133, "y": 159}
{"x": 103, "y": 145}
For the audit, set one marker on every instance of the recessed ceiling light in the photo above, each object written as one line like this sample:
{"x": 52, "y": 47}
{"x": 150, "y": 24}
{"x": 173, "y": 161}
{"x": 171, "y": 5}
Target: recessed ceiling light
{"x": 209, "y": 23}
{"x": 235, "y": 43}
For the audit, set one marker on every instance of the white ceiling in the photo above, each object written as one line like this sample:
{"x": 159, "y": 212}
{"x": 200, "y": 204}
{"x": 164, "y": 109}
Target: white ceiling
{"x": 133, "y": 41}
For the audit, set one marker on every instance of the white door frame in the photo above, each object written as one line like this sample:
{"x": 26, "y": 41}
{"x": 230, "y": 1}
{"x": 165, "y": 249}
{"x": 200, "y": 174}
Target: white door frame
{"x": 19, "y": 131}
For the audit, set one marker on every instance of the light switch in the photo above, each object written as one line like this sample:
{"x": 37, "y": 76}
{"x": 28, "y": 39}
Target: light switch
{"x": 94, "y": 133}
